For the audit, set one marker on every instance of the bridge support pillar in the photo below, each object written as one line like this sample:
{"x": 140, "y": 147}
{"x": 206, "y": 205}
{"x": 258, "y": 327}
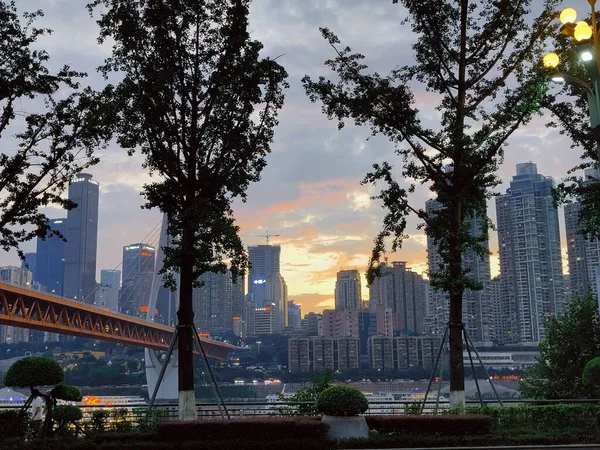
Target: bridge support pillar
{"x": 168, "y": 389}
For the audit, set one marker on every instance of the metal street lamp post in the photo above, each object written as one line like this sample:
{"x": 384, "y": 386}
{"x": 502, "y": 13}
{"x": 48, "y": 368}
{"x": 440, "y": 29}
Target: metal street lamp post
{"x": 586, "y": 38}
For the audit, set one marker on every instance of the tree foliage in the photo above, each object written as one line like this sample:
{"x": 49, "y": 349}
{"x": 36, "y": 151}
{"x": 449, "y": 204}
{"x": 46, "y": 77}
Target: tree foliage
{"x": 33, "y": 371}
{"x": 51, "y": 146}
{"x": 36, "y": 371}
{"x": 310, "y": 394}
{"x": 572, "y": 340}
{"x": 204, "y": 121}
{"x": 591, "y": 376}
{"x": 481, "y": 61}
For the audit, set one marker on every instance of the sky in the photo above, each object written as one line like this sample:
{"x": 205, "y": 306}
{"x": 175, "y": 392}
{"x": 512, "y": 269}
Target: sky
{"x": 310, "y": 192}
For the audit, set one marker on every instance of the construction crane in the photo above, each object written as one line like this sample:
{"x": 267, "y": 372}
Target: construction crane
{"x": 266, "y": 235}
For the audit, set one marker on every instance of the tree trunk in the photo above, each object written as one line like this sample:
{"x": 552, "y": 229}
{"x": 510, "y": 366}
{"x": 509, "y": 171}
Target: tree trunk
{"x": 457, "y": 369}
{"x": 47, "y": 429}
{"x": 185, "y": 345}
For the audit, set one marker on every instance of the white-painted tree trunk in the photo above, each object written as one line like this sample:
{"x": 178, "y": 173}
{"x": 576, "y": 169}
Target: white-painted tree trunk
{"x": 457, "y": 399}
{"x": 187, "y": 405}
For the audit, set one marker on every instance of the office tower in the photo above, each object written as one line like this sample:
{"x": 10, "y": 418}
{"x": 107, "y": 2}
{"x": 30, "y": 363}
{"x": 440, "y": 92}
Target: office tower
{"x": 530, "y": 259}
{"x": 107, "y": 294}
{"x": 265, "y": 283}
{"x": 50, "y": 258}
{"x": 294, "y": 315}
{"x": 82, "y": 239}
{"x": 138, "y": 269}
{"x": 403, "y": 291}
{"x": 347, "y": 290}
{"x": 476, "y": 304}
{"x": 265, "y": 319}
{"x": 212, "y": 303}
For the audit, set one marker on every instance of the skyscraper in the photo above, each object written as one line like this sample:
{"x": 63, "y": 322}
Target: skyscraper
{"x": 530, "y": 260}
{"x": 583, "y": 251}
{"x": 265, "y": 284}
{"x": 138, "y": 269}
{"x": 50, "y": 259}
{"x": 403, "y": 291}
{"x": 347, "y": 290}
{"x": 476, "y": 304}
{"x": 82, "y": 239}
{"x": 577, "y": 246}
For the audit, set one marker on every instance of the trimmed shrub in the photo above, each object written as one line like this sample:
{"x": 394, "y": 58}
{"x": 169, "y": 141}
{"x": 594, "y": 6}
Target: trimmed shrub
{"x": 583, "y": 417}
{"x": 146, "y": 418}
{"x": 99, "y": 420}
{"x": 13, "y": 424}
{"x": 591, "y": 375}
{"x": 65, "y": 414}
{"x": 257, "y": 429}
{"x": 448, "y": 425}
{"x": 33, "y": 371}
{"x": 342, "y": 401}
{"x": 67, "y": 392}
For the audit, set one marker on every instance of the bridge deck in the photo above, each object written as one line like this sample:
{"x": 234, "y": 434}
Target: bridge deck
{"x": 35, "y": 310}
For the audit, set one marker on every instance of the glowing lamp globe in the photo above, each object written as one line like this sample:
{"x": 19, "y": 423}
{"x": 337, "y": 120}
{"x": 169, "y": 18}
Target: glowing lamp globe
{"x": 568, "y": 15}
{"x": 582, "y": 31}
{"x": 551, "y": 61}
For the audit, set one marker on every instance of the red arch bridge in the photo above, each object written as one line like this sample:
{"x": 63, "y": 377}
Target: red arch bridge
{"x": 40, "y": 311}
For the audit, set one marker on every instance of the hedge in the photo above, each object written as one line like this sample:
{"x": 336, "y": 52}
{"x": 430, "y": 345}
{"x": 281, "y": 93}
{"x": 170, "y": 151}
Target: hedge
{"x": 13, "y": 424}
{"x": 448, "y": 425}
{"x": 342, "y": 401}
{"x": 260, "y": 429}
{"x": 582, "y": 417}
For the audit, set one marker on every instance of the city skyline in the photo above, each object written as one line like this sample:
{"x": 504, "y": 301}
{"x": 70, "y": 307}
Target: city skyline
{"x": 310, "y": 193}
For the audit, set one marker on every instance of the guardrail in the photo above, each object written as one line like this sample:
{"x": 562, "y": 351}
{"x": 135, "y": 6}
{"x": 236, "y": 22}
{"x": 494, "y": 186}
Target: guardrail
{"x": 134, "y": 414}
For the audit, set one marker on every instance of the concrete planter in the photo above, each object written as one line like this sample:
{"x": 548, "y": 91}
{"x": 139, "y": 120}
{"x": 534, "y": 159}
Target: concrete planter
{"x": 341, "y": 427}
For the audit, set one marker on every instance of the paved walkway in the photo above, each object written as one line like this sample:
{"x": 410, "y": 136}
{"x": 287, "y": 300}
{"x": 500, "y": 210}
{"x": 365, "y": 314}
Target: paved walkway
{"x": 519, "y": 447}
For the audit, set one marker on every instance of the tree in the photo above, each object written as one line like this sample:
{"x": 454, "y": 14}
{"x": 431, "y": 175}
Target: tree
{"x": 572, "y": 340}
{"x": 480, "y": 58}
{"x": 310, "y": 394}
{"x": 201, "y": 106}
{"x": 54, "y": 145}
{"x": 36, "y": 371}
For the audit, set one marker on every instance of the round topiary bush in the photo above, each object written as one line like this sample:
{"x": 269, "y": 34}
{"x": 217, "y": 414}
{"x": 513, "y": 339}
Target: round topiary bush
{"x": 67, "y": 392}
{"x": 591, "y": 374}
{"x": 33, "y": 371}
{"x": 342, "y": 401}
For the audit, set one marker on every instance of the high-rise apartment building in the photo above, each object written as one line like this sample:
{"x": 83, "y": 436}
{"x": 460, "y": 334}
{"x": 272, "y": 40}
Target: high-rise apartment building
{"x": 22, "y": 278}
{"x": 138, "y": 270}
{"x": 212, "y": 303}
{"x": 476, "y": 304}
{"x": 403, "y": 352}
{"x": 82, "y": 239}
{"x": 583, "y": 251}
{"x": 530, "y": 259}
{"x": 107, "y": 294}
{"x": 50, "y": 258}
{"x": 403, "y": 291}
{"x": 348, "y": 290}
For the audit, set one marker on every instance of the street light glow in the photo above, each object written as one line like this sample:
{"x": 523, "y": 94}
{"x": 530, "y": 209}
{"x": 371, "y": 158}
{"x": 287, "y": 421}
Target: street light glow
{"x": 551, "y": 61}
{"x": 558, "y": 78}
{"x": 568, "y": 15}
{"x": 587, "y": 55}
{"x": 582, "y": 31}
